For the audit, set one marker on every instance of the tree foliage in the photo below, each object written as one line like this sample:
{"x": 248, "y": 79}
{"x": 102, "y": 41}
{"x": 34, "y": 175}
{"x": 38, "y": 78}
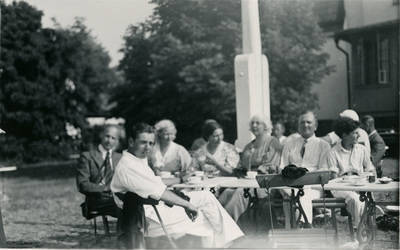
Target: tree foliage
{"x": 50, "y": 77}
{"x": 179, "y": 64}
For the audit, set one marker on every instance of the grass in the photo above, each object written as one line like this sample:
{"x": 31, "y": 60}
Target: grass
{"x": 41, "y": 209}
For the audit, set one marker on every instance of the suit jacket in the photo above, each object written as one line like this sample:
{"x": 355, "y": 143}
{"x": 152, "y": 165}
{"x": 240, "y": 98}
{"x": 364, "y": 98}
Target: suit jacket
{"x": 89, "y": 175}
{"x": 377, "y": 148}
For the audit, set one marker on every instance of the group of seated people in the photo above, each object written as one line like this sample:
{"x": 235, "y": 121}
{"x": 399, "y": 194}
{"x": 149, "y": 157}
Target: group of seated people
{"x": 152, "y": 150}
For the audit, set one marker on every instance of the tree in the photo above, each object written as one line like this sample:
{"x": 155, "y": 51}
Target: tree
{"x": 50, "y": 78}
{"x": 180, "y": 63}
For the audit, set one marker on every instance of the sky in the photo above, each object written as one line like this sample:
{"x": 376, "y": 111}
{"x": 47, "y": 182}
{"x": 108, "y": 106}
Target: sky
{"x": 107, "y": 19}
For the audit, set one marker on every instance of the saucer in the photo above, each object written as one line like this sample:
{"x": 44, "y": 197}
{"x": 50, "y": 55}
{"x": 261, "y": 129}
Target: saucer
{"x": 194, "y": 183}
{"x": 359, "y": 184}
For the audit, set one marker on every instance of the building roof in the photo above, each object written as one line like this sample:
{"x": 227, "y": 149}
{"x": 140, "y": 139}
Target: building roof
{"x": 350, "y": 33}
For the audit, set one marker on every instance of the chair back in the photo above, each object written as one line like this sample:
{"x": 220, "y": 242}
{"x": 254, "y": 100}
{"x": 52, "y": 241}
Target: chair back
{"x": 278, "y": 180}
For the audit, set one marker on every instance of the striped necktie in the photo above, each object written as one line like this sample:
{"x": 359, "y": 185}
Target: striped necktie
{"x": 108, "y": 173}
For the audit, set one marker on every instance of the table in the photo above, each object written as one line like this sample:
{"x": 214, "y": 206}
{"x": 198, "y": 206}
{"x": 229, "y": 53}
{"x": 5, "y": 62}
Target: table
{"x": 210, "y": 183}
{"x": 367, "y": 227}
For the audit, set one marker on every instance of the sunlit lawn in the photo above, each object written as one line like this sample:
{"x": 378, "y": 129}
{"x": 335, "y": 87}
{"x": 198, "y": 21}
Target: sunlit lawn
{"x": 41, "y": 209}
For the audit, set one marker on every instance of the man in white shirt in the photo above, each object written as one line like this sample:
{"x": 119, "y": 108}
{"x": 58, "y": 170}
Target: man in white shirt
{"x": 202, "y": 216}
{"x": 307, "y": 151}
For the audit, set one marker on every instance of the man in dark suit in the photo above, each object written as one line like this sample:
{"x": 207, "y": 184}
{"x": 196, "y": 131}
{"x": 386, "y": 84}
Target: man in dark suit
{"x": 376, "y": 141}
{"x": 95, "y": 171}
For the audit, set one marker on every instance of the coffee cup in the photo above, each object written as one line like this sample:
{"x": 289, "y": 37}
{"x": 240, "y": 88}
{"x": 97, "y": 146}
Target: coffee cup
{"x": 359, "y": 181}
{"x": 165, "y": 174}
{"x": 199, "y": 173}
{"x": 251, "y": 174}
{"x": 194, "y": 179}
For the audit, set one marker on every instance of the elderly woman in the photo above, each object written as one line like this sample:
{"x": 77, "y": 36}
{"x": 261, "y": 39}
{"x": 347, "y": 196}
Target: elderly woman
{"x": 216, "y": 157}
{"x": 167, "y": 155}
{"x": 263, "y": 155}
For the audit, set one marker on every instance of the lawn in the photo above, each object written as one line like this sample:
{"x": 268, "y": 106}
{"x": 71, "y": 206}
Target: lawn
{"x": 41, "y": 209}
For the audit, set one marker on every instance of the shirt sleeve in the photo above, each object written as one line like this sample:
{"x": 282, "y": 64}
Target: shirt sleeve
{"x": 325, "y": 148}
{"x": 143, "y": 183}
{"x": 285, "y": 157}
{"x": 367, "y": 161}
{"x": 332, "y": 161}
{"x": 185, "y": 159}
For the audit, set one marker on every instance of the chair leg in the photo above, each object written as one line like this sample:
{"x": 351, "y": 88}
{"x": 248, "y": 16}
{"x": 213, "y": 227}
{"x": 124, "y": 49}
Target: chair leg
{"x": 105, "y": 225}
{"x": 351, "y": 229}
{"x": 334, "y": 225}
{"x": 95, "y": 226}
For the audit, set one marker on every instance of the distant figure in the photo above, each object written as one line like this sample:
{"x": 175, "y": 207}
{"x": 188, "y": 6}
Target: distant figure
{"x": 376, "y": 141}
{"x": 168, "y": 155}
{"x": 95, "y": 171}
{"x": 278, "y": 131}
{"x": 333, "y": 138}
{"x": 199, "y": 142}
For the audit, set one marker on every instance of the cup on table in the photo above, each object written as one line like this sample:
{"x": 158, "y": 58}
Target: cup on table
{"x": 194, "y": 179}
{"x": 371, "y": 178}
{"x": 199, "y": 174}
{"x": 251, "y": 174}
{"x": 165, "y": 174}
{"x": 359, "y": 180}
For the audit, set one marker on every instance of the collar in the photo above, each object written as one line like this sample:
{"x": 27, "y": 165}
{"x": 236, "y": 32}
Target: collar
{"x": 133, "y": 157}
{"x": 309, "y": 138}
{"x": 104, "y": 151}
{"x": 341, "y": 148}
{"x": 373, "y": 132}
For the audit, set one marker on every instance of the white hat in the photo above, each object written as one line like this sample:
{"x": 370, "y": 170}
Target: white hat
{"x": 350, "y": 114}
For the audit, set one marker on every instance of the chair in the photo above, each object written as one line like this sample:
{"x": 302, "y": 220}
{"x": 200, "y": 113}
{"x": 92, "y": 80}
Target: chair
{"x": 93, "y": 215}
{"x": 132, "y": 219}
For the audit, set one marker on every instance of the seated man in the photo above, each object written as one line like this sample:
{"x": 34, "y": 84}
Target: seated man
{"x": 202, "y": 215}
{"x": 349, "y": 157}
{"x": 378, "y": 147}
{"x": 95, "y": 171}
{"x": 309, "y": 152}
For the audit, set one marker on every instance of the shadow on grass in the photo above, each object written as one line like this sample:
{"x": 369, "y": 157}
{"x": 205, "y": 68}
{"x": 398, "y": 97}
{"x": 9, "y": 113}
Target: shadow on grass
{"x": 48, "y": 172}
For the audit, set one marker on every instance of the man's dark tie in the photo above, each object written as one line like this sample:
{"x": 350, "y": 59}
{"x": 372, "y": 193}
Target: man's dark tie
{"x": 108, "y": 173}
{"x": 303, "y": 149}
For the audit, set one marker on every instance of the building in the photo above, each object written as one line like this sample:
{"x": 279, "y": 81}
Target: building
{"x": 364, "y": 46}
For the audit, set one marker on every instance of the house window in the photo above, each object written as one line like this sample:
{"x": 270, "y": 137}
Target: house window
{"x": 373, "y": 59}
{"x": 383, "y": 59}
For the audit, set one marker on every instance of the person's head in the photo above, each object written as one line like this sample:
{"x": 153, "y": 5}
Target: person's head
{"x": 349, "y": 113}
{"x": 278, "y": 130}
{"x": 368, "y": 123}
{"x": 260, "y": 124}
{"x": 110, "y": 136}
{"x": 308, "y": 124}
{"x": 165, "y": 131}
{"x": 346, "y": 128}
{"x": 141, "y": 140}
{"x": 213, "y": 133}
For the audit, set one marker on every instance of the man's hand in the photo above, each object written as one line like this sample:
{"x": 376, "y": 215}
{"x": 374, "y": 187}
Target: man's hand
{"x": 192, "y": 212}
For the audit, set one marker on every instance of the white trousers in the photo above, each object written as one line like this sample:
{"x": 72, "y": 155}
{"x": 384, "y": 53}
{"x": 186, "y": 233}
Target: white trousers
{"x": 213, "y": 221}
{"x": 353, "y": 204}
{"x": 305, "y": 200}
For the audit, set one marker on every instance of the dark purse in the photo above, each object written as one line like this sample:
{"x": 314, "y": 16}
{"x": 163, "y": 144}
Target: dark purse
{"x": 293, "y": 172}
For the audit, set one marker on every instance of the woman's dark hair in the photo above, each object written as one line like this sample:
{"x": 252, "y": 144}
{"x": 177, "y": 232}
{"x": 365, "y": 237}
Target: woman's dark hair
{"x": 345, "y": 125}
{"x": 209, "y": 128}
{"x": 140, "y": 128}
